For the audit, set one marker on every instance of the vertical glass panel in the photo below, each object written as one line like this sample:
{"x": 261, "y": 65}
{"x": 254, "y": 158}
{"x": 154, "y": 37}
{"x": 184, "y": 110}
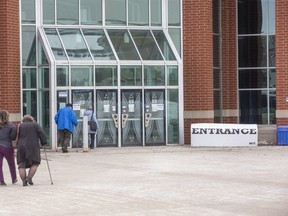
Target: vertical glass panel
{"x": 81, "y": 76}
{"x": 115, "y": 11}
{"x": 123, "y": 45}
{"x": 217, "y": 106}
{"x": 62, "y": 98}
{"x": 154, "y": 75}
{"x": 27, "y": 11}
{"x": 272, "y": 78}
{"x": 272, "y": 51}
{"x": 48, "y": 11}
{"x": 44, "y": 78}
{"x": 74, "y": 44}
{"x": 28, "y": 46}
{"x": 156, "y": 12}
{"x": 216, "y": 50}
{"x": 272, "y": 107}
{"x": 252, "y": 51}
{"x": 138, "y": 12}
{"x": 252, "y": 16}
{"x": 164, "y": 45}
{"x": 172, "y": 75}
{"x": 216, "y": 78}
{"x": 67, "y": 12}
{"x": 55, "y": 44}
{"x": 216, "y": 16}
{"x": 131, "y": 76}
{"x": 173, "y": 116}
{"x": 175, "y": 34}
{"x": 42, "y": 56}
{"x": 98, "y": 44}
{"x": 174, "y": 13}
{"x": 62, "y": 76}
{"x": 271, "y": 20}
{"x": 253, "y": 107}
{"x": 146, "y": 45}
{"x": 28, "y": 78}
{"x": 30, "y": 103}
{"x": 91, "y": 12}
{"x": 106, "y": 75}
{"x": 44, "y": 112}
{"x": 253, "y": 78}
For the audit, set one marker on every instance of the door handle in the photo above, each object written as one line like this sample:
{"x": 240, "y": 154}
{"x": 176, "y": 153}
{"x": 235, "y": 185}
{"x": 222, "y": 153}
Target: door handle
{"x": 147, "y": 118}
{"x": 115, "y": 119}
{"x": 124, "y": 120}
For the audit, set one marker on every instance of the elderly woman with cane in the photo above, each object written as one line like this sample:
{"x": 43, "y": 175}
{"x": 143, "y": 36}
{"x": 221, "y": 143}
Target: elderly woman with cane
{"x": 28, "y": 152}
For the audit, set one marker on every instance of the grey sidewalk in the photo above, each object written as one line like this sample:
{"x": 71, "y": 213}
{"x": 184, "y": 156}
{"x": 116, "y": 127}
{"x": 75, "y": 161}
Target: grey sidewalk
{"x": 176, "y": 180}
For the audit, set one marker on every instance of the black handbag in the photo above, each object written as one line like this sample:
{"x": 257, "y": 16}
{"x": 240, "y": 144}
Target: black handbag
{"x": 92, "y": 124}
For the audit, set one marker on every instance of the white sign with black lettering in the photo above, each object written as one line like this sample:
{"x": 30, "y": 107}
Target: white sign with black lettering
{"x": 224, "y": 135}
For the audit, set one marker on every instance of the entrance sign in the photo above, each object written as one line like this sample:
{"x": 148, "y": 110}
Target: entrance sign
{"x": 224, "y": 135}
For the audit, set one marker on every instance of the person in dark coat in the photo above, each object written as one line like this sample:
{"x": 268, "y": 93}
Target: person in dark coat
{"x": 28, "y": 151}
{"x": 91, "y": 115}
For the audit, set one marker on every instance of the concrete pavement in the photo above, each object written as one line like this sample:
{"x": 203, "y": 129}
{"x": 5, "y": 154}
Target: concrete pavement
{"x": 155, "y": 181}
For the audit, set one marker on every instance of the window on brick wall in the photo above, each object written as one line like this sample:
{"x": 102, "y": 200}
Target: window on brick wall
{"x": 256, "y": 61}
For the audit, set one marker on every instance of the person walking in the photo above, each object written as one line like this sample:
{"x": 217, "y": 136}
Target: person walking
{"x": 91, "y": 117}
{"x": 28, "y": 149}
{"x": 8, "y": 133}
{"x": 65, "y": 120}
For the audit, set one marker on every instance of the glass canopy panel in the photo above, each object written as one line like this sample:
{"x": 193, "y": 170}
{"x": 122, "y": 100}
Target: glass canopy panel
{"x": 74, "y": 44}
{"x": 115, "y": 12}
{"x": 146, "y": 45}
{"x": 55, "y": 44}
{"x": 98, "y": 44}
{"x": 138, "y": 12}
{"x": 164, "y": 45}
{"x": 123, "y": 45}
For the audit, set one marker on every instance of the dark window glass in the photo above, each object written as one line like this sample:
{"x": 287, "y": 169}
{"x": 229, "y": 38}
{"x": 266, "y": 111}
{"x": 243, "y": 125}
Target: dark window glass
{"x": 28, "y": 46}
{"x": 216, "y": 16}
{"x": 253, "y": 78}
{"x": 216, "y": 50}
{"x": 252, "y": 16}
{"x": 252, "y": 51}
{"x": 253, "y": 107}
{"x": 27, "y": 11}
{"x": 272, "y": 106}
{"x": 272, "y": 51}
{"x": 29, "y": 105}
{"x": 217, "y": 106}
{"x": 48, "y": 11}
{"x": 272, "y": 78}
{"x": 216, "y": 78}
{"x": 68, "y": 12}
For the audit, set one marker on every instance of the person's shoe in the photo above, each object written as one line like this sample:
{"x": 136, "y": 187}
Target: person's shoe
{"x": 15, "y": 181}
{"x": 25, "y": 183}
{"x": 2, "y": 183}
{"x": 29, "y": 180}
{"x": 64, "y": 151}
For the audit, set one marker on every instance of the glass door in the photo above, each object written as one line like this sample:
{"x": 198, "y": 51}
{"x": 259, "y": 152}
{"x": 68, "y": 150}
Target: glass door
{"x": 131, "y": 118}
{"x": 81, "y": 100}
{"x": 107, "y": 114}
{"x": 155, "y": 117}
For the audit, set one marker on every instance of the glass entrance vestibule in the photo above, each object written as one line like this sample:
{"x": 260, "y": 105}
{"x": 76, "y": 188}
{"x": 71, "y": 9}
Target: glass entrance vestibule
{"x": 130, "y": 77}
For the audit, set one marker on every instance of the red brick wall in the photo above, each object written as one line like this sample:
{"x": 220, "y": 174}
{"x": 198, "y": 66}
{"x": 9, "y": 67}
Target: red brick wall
{"x": 281, "y": 9}
{"x": 9, "y": 56}
{"x": 229, "y": 58}
{"x": 198, "y": 59}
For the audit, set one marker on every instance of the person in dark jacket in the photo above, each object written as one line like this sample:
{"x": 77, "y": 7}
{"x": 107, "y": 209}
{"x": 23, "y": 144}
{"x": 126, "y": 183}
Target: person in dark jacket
{"x": 28, "y": 151}
{"x": 91, "y": 115}
{"x": 7, "y": 134}
{"x": 65, "y": 120}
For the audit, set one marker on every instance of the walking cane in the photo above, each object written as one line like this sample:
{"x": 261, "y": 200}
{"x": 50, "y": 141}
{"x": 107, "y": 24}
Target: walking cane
{"x": 48, "y": 165}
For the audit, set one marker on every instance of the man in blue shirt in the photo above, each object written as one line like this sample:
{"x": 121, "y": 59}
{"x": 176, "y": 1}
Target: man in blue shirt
{"x": 65, "y": 120}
